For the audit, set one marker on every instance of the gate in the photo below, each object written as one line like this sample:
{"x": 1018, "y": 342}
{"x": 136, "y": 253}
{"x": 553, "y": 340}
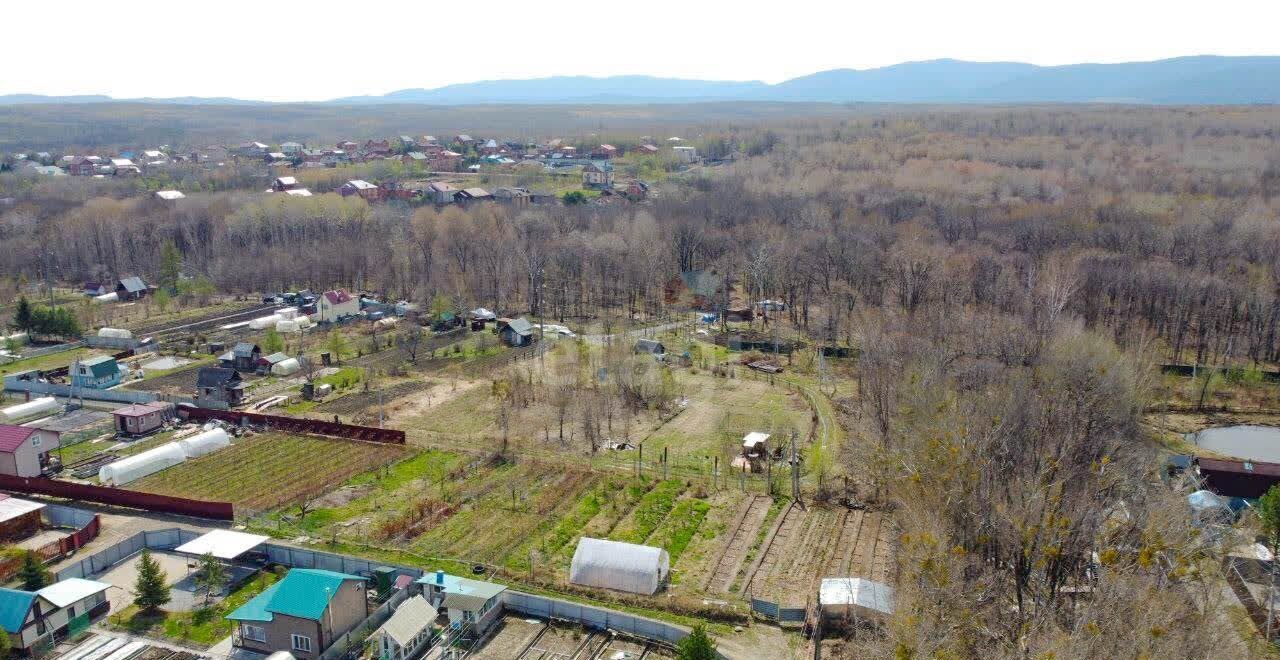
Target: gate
{"x": 765, "y": 608}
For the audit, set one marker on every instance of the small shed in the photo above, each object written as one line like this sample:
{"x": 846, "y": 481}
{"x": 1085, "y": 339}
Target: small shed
{"x": 637, "y": 569}
{"x": 407, "y": 631}
{"x": 130, "y": 288}
{"x": 245, "y": 356}
{"x": 141, "y": 418}
{"x": 519, "y": 332}
{"x": 650, "y": 347}
{"x": 19, "y": 519}
{"x": 848, "y": 598}
{"x": 220, "y": 385}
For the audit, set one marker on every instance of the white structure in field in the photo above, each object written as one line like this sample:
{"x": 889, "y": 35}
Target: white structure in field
{"x": 205, "y": 442}
{"x": 855, "y": 597}
{"x": 638, "y": 569}
{"x": 138, "y": 466}
{"x": 223, "y": 544}
{"x": 45, "y": 405}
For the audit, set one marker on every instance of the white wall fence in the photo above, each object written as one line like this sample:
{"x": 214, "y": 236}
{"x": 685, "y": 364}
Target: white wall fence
{"x": 65, "y": 516}
{"x": 593, "y": 617}
{"x": 15, "y": 383}
{"x": 596, "y": 618}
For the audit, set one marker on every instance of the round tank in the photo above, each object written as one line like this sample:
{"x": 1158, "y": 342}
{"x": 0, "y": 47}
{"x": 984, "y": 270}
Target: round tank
{"x": 138, "y": 466}
{"x": 35, "y": 407}
{"x": 205, "y": 442}
{"x": 106, "y": 298}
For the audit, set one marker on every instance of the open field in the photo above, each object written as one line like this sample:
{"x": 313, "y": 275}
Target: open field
{"x": 269, "y": 469}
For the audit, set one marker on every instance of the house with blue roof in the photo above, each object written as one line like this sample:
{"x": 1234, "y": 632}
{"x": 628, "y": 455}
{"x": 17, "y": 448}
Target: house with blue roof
{"x": 302, "y": 614}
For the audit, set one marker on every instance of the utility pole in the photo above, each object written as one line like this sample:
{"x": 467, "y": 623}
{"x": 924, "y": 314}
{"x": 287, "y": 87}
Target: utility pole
{"x": 795, "y": 469}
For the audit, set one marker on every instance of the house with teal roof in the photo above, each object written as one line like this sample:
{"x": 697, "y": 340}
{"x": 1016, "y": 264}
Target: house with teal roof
{"x": 302, "y": 614}
{"x": 97, "y": 373}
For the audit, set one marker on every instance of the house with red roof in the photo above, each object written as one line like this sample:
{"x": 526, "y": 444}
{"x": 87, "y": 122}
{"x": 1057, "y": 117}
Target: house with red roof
{"x": 24, "y": 451}
{"x": 336, "y": 305}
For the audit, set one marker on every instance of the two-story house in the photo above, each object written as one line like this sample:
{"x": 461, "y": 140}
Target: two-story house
{"x": 303, "y": 613}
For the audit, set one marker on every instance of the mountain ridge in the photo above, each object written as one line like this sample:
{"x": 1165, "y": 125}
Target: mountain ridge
{"x": 1198, "y": 79}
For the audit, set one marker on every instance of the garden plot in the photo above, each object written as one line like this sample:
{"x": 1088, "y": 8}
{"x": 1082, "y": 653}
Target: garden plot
{"x": 501, "y": 510}
{"x": 512, "y": 637}
{"x": 270, "y": 469}
{"x": 727, "y": 563}
{"x": 819, "y": 541}
{"x": 352, "y": 404}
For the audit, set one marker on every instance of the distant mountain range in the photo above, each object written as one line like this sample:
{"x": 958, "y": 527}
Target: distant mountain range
{"x": 1204, "y": 79}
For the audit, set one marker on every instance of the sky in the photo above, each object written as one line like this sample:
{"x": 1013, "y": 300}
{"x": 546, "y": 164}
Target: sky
{"x": 319, "y": 50}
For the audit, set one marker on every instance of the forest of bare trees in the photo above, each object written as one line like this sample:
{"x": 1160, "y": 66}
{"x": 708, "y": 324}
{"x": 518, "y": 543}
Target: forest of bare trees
{"x": 1010, "y": 276}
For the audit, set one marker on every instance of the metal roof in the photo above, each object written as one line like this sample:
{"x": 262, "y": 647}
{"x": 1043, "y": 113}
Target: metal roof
{"x": 521, "y": 326}
{"x": 71, "y": 591}
{"x": 12, "y": 437}
{"x": 410, "y": 619}
{"x": 857, "y": 592}
{"x": 14, "y": 605}
{"x": 303, "y": 593}
{"x": 222, "y": 543}
{"x": 132, "y": 284}
{"x": 12, "y": 507}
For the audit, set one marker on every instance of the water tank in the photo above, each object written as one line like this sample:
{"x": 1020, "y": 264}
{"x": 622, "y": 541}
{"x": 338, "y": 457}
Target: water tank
{"x": 138, "y": 466}
{"x": 106, "y": 298}
{"x": 205, "y": 442}
{"x": 117, "y": 333}
{"x": 286, "y": 367}
{"x": 33, "y": 408}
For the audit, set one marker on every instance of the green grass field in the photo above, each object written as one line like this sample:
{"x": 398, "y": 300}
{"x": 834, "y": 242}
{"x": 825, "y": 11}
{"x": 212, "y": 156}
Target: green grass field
{"x": 269, "y": 470}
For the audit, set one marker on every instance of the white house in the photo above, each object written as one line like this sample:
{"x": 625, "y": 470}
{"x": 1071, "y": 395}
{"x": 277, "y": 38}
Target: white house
{"x": 336, "y": 304}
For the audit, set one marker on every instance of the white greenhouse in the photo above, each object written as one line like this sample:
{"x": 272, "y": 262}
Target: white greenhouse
{"x": 43, "y": 406}
{"x": 264, "y": 322}
{"x": 638, "y": 569}
{"x": 138, "y": 466}
{"x": 115, "y": 333}
{"x": 205, "y": 442}
{"x": 107, "y": 298}
{"x": 286, "y": 367}
{"x": 288, "y": 326}
{"x": 288, "y": 313}
{"x": 18, "y": 339}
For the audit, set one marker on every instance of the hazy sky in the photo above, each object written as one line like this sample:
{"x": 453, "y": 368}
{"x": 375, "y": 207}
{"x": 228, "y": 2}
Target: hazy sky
{"x": 316, "y": 50}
